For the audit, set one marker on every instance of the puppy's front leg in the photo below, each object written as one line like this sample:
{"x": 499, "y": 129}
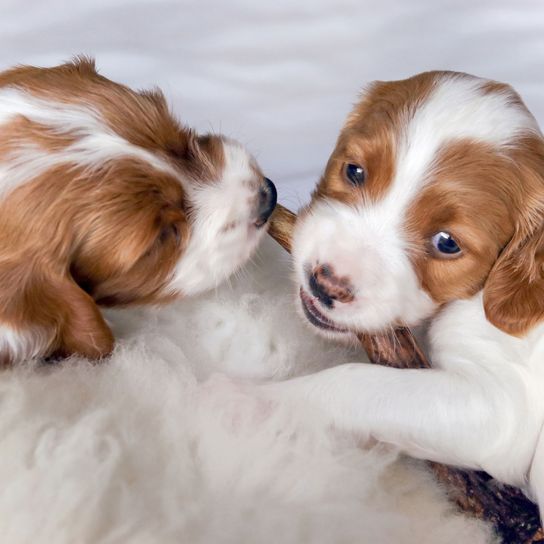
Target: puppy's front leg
{"x": 461, "y": 419}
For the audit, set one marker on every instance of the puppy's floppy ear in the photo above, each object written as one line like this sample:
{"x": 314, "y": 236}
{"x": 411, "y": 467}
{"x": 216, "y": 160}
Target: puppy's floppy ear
{"x": 514, "y": 291}
{"x": 48, "y": 314}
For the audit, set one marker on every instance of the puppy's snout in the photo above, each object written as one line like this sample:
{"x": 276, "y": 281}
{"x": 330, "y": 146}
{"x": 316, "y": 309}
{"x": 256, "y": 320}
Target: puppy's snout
{"x": 267, "y": 199}
{"x": 328, "y": 287}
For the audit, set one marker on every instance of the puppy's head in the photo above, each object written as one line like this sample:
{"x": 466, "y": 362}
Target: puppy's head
{"x": 105, "y": 198}
{"x": 147, "y": 235}
{"x": 434, "y": 192}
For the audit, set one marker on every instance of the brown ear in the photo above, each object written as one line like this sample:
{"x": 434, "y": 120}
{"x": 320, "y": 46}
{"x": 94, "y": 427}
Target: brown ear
{"x": 514, "y": 291}
{"x": 130, "y": 237}
{"x": 50, "y": 315}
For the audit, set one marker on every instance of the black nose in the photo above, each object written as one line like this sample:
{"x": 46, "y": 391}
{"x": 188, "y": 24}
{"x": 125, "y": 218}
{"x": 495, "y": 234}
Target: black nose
{"x": 268, "y": 197}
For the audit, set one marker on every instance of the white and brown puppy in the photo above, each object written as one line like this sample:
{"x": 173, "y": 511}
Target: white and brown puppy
{"x": 106, "y": 199}
{"x": 432, "y": 208}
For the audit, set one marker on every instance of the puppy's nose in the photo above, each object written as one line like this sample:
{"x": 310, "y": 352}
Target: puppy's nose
{"x": 267, "y": 199}
{"x": 328, "y": 287}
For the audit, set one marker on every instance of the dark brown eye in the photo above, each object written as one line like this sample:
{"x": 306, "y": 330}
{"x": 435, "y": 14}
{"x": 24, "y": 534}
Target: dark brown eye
{"x": 355, "y": 174}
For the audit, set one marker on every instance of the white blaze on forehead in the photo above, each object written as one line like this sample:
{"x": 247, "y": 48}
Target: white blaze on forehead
{"x": 457, "y": 108}
{"x": 96, "y": 142}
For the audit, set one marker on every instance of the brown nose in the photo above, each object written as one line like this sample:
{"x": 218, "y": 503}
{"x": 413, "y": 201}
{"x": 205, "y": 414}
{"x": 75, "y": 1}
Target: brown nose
{"x": 328, "y": 287}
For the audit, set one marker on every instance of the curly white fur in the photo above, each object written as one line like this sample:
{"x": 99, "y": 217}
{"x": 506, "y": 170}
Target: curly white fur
{"x": 140, "y": 450}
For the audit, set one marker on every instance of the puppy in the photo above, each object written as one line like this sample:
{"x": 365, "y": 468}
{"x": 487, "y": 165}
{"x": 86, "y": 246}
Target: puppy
{"x": 431, "y": 207}
{"x": 106, "y": 199}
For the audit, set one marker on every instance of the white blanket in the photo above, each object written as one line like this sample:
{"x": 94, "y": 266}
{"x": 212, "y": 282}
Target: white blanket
{"x": 145, "y": 449}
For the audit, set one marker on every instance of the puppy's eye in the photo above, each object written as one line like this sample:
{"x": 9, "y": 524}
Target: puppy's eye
{"x": 354, "y": 174}
{"x": 177, "y": 233}
{"x": 445, "y": 245}
{"x": 169, "y": 232}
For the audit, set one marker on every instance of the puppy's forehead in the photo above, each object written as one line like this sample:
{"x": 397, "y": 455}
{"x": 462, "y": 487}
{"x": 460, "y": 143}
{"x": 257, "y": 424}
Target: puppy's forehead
{"x": 419, "y": 116}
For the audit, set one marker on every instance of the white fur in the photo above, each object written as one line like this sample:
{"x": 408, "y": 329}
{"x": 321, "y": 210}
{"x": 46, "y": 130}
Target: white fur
{"x": 223, "y": 235}
{"x": 341, "y": 235}
{"x": 142, "y": 449}
{"x": 386, "y": 286}
{"x": 96, "y": 144}
{"x": 456, "y": 109}
{"x": 482, "y": 405}
{"x": 23, "y": 344}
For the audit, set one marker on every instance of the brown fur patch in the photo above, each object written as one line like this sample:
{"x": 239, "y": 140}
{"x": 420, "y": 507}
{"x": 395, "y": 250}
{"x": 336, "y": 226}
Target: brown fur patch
{"x": 141, "y": 118}
{"x": 118, "y": 232}
{"x": 370, "y": 138}
{"x": 493, "y": 205}
{"x": 514, "y": 291}
{"x": 22, "y": 130}
{"x": 469, "y": 196}
{"x": 75, "y": 237}
{"x": 491, "y": 200}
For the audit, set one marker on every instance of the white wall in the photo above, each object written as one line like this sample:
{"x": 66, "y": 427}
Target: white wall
{"x": 280, "y": 75}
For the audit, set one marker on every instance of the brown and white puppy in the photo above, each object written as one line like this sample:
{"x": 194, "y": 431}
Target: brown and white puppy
{"x": 432, "y": 208}
{"x": 106, "y": 199}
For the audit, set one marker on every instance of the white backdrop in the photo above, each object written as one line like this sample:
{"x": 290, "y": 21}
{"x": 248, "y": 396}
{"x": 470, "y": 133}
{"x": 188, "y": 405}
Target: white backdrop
{"x": 280, "y": 75}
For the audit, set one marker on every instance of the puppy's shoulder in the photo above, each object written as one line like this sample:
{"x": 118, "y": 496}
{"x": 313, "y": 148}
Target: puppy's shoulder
{"x": 461, "y": 333}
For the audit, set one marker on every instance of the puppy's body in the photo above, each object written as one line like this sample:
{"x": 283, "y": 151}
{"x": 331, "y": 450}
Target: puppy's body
{"x": 432, "y": 208}
{"x": 106, "y": 199}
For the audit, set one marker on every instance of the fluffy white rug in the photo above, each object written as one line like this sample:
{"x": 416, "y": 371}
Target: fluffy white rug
{"x": 144, "y": 449}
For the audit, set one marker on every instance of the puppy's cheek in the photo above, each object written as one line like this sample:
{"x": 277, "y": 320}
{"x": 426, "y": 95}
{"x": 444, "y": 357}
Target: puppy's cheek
{"x": 212, "y": 255}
